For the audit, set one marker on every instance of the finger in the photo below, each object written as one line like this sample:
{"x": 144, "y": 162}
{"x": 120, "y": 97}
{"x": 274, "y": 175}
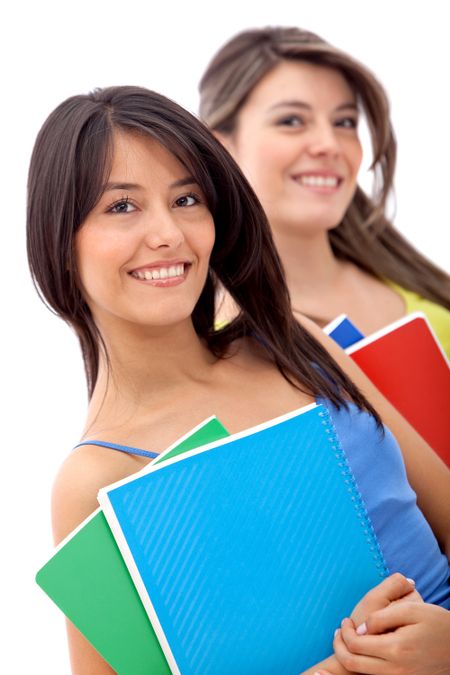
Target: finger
{"x": 414, "y": 596}
{"x": 377, "y": 646}
{"x": 392, "y": 617}
{"x": 396, "y": 588}
{"x": 356, "y": 663}
{"x": 393, "y": 587}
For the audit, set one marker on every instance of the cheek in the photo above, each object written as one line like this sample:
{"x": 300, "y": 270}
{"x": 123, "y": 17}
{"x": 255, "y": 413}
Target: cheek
{"x": 276, "y": 156}
{"x": 209, "y": 239}
{"x": 272, "y": 153}
{"x": 264, "y": 164}
{"x": 97, "y": 258}
{"x": 355, "y": 155}
{"x": 199, "y": 237}
{"x": 100, "y": 247}
{"x": 255, "y": 151}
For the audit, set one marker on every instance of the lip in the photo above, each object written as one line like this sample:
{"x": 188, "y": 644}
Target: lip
{"x": 320, "y": 173}
{"x": 324, "y": 174}
{"x": 157, "y": 264}
{"x": 161, "y": 282}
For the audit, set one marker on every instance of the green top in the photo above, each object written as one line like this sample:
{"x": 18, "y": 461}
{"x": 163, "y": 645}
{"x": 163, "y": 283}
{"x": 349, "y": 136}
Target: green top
{"x": 438, "y": 316}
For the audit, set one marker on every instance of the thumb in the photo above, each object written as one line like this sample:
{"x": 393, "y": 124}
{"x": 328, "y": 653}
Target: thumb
{"x": 393, "y": 587}
{"x": 390, "y": 590}
{"x": 390, "y": 618}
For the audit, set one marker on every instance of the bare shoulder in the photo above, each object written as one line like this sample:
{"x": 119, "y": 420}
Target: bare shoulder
{"x": 81, "y": 475}
{"x": 340, "y": 356}
{"x": 310, "y": 326}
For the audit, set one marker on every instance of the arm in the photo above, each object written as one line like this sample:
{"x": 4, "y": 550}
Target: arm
{"x": 427, "y": 474}
{"x": 73, "y": 499}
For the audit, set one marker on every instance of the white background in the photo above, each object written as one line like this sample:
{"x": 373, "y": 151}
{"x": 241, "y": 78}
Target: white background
{"x": 50, "y": 51}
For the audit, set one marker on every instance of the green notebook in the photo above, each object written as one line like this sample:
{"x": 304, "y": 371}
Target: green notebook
{"x": 89, "y": 581}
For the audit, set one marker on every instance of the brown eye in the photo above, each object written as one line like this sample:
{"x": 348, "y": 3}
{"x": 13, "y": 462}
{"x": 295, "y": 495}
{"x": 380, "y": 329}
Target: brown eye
{"x": 347, "y": 123}
{"x": 187, "y": 200}
{"x": 290, "y": 121}
{"x": 121, "y": 206}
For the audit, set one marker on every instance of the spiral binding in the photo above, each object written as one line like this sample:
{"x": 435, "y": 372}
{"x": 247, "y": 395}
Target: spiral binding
{"x": 352, "y": 488}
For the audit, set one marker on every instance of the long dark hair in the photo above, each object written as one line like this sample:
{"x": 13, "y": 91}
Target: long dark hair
{"x": 365, "y": 236}
{"x": 69, "y": 166}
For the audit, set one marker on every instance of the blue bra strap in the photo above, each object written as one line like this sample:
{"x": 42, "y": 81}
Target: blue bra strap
{"x": 121, "y": 448}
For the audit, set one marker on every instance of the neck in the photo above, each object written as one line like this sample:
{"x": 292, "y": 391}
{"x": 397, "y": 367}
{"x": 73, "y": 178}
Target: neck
{"x": 146, "y": 369}
{"x": 310, "y": 265}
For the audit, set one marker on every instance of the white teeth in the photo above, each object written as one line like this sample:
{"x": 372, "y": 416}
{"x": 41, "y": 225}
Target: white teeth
{"x": 160, "y": 273}
{"x": 319, "y": 181}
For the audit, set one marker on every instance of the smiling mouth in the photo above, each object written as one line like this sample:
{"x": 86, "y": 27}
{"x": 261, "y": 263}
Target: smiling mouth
{"x": 157, "y": 273}
{"x": 314, "y": 181}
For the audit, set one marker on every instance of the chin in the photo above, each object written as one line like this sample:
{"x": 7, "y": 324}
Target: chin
{"x": 307, "y": 229}
{"x": 323, "y": 222}
{"x": 308, "y": 222}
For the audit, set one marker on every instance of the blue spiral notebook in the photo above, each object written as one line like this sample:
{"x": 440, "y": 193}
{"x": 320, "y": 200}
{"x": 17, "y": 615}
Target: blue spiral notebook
{"x": 248, "y": 552}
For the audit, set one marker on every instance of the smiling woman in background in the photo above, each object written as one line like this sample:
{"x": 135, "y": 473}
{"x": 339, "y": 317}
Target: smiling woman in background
{"x": 286, "y": 104}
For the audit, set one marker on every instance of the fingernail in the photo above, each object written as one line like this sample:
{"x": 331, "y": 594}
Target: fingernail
{"x": 411, "y": 581}
{"x": 336, "y": 632}
{"x": 362, "y": 629}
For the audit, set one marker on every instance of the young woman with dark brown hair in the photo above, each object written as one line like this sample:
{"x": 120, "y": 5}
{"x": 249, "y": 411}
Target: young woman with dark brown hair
{"x": 286, "y": 105}
{"x": 135, "y": 214}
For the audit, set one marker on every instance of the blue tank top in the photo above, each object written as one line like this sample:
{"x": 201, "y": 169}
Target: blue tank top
{"x": 405, "y": 538}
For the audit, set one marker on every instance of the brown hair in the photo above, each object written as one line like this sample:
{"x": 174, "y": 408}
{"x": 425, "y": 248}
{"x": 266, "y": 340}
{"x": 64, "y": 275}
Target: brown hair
{"x": 365, "y": 236}
{"x": 69, "y": 166}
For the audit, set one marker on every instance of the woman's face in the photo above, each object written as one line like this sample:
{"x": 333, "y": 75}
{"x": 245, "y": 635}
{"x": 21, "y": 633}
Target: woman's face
{"x": 296, "y": 140}
{"x": 143, "y": 251}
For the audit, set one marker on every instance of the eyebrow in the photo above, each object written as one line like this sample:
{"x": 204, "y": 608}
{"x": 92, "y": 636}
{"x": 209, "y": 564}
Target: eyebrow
{"x": 306, "y": 106}
{"x": 188, "y": 180}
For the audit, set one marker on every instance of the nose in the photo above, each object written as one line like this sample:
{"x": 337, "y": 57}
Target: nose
{"x": 161, "y": 230}
{"x": 323, "y": 139}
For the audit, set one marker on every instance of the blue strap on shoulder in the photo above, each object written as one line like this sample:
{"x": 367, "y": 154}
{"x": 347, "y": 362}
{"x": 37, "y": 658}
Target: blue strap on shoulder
{"x": 122, "y": 448}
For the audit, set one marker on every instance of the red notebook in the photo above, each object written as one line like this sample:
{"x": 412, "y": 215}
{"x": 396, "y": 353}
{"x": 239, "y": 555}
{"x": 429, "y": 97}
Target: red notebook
{"x": 407, "y": 364}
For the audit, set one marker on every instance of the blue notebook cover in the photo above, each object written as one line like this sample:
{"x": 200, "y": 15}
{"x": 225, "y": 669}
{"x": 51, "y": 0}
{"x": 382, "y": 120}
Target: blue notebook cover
{"x": 343, "y": 331}
{"x": 248, "y": 553}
